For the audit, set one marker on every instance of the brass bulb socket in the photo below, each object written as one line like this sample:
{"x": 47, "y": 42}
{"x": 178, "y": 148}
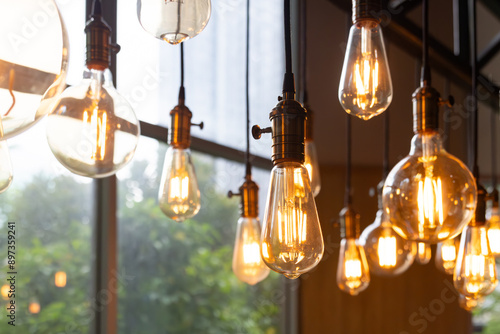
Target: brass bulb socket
{"x": 98, "y": 43}
{"x": 479, "y": 218}
{"x": 426, "y": 102}
{"x": 180, "y": 127}
{"x": 249, "y": 205}
{"x": 365, "y": 10}
{"x": 349, "y": 223}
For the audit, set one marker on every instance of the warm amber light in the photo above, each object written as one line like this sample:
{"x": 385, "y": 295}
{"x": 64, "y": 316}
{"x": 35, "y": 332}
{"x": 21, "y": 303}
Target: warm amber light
{"x": 34, "y": 308}
{"x": 352, "y": 272}
{"x": 60, "y": 279}
{"x": 446, "y": 255}
{"x": 430, "y": 202}
{"x": 5, "y": 291}
{"x": 424, "y": 253}
{"x": 467, "y": 303}
{"x": 292, "y": 233}
{"x": 179, "y": 192}
{"x": 94, "y": 129}
{"x": 493, "y": 218}
{"x": 387, "y": 252}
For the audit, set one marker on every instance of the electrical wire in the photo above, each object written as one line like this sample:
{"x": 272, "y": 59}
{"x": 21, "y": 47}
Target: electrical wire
{"x": 303, "y": 52}
{"x": 425, "y": 79}
{"x": 182, "y": 94}
{"x": 247, "y": 92}
{"x": 348, "y": 197}
{"x": 288, "y": 82}
{"x": 493, "y": 123}
{"x": 385, "y": 164}
{"x": 474, "y": 113}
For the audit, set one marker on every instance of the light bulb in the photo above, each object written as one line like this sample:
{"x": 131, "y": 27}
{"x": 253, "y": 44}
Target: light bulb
{"x": 493, "y": 226}
{"x": 424, "y": 253}
{"x": 475, "y": 270}
{"x": 467, "y": 303}
{"x": 353, "y": 275}
{"x": 446, "y": 255}
{"x": 430, "y": 195}
{"x": 365, "y": 88}
{"x": 92, "y": 130}
{"x": 60, "y": 279}
{"x": 174, "y": 20}
{"x": 179, "y": 195}
{"x": 248, "y": 265}
{"x": 292, "y": 242}
{"x": 387, "y": 253}
{"x": 312, "y": 166}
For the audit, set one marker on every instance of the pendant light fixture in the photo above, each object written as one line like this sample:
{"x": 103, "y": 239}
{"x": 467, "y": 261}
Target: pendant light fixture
{"x": 248, "y": 265}
{"x": 292, "y": 242}
{"x": 430, "y": 195}
{"x": 387, "y": 253}
{"x": 475, "y": 271}
{"x": 92, "y": 130}
{"x": 365, "y": 88}
{"x": 493, "y": 212}
{"x": 179, "y": 195}
{"x": 174, "y": 21}
{"x": 353, "y": 274}
{"x": 446, "y": 255}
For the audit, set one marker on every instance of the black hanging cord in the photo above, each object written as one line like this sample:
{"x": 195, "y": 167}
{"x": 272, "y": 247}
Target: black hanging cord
{"x": 446, "y": 130}
{"x": 474, "y": 129}
{"x": 182, "y": 94}
{"x": 425, "y": 78}
{"x": 303, "y": 52}
{"x": 348, "y": 197}
{"x": 289, "y": 82}
{"x": 493, "y": 150}
{"x": 385, "y": 165}
{"x": 247, "y": 74}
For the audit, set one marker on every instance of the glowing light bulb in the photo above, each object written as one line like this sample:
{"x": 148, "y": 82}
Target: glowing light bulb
{"x": 4, "y": 291}
{"x": 387, "y": 253}
{"x": 179, "y": 195}
{"x": 34, "y": 307}
{"x": 60, "y": 279}
{"x": 424, "y": 253}
{"x": 430, "y": 195}
{"x": 174, "y": 20}
{"x": 365, "y": 88}
{"x": 292, "y": 242}
{"x": 248, "y": 265}
{"x": 493, "y": 226}
{"x": 475, "y": 270}
{"x": 446, "y": 255}
{"x": 467, "y": 303}
{"x": 353, "y": 275}
{"x": 312, "y": 166}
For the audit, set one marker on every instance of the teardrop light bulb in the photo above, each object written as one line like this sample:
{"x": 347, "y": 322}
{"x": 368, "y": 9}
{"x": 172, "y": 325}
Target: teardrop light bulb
{"x": 174, "y": 20}
{"x": 179, "y": 195}
{"x": 430, "y": 195}
{"x": 292, "y": 242}
{"x": 353, "y": 275}
{"x": 424, "y": 253}
{"x": 365, "y": 88}
{"x": 493, "y": 226}
{"x": 312, "y": 166}
{"x": 446, "y": 255}
{"x": 248, "y": 265}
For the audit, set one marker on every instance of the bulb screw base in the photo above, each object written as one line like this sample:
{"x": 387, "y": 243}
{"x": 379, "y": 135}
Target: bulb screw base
{"x": 426, "y": 103}
{"x": 349, "y": 223}
{"x": 249, "y": 192}
{"x": 365, "y": 10}
{"x": 180, "y": 127}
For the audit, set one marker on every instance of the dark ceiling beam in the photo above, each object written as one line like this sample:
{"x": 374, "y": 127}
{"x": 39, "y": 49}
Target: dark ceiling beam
{"x": 493, "y": 6}
{"x": 489, "y": 51}
{"x": 404, "y": 6}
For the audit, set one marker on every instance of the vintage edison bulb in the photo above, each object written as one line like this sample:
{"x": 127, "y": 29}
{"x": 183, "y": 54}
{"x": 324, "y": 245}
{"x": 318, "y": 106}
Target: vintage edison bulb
{"x": 446, "y": 255}
{"x": 292, "y": 242}
{"x": 493, "y": 226}
{"x": 33, "y": 61}
{"x": 248, "y": 265}
{"x": 92, "y": 130}
{"x": 475, "y": 270}
{"x": 424, "y": 253}
{"x": 179, "y": 195}
{"x": 365, "y": 88}
{"x": 467, "y": 303}
{"x": 387, "y": 253}
{"x": 312, "y": 166}
{"x": 174, "y": 20}
{"x": 430, "y": 195}
{"x": 353, "y": 275}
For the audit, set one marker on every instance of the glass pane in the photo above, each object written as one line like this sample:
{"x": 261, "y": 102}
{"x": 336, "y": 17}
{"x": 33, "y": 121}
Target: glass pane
{"x": 183, "y": 280}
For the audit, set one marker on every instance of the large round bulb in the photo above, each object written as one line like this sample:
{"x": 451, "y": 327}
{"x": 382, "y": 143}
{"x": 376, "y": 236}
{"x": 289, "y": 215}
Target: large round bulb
{"x": 92, "y": 129}
{"x": 493, "y": 226}
{"x": 248, "y": 265}
{"x": 424, "y": 253}
{"x": 430, "y": 195}
{"x": 387, "y": 253}
{"x": 446, "y": 255}
{"x": 365, "y": 88}
{"x": 174, "y": 20}
{"x": 475, "y": 273}
{"x": 292, "y": 242}
{"x": 312, "y": 166}
{"x": 179, "y": 195}
{"x": 353, "y": 275}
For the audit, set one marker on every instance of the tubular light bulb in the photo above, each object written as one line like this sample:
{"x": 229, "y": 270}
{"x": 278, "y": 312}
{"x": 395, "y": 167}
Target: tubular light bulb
{"x": 174, "y": 20}
{"x": 179, "y": 195}
{"x": 353, "y": 275}
{"x": 424, "y": 253}
{"x": 430, "y": 195}
{"x": 387, "y": 253}
{"x": 292, "y": 242}
{"x": 92, "y": 130}
{"x": 467, "y": 303}
{"x": 365, "y": 88}
{"x": 493, "y": 226}
{"x": 446, "y": 255}
{"x": 475, "y": 270}
{"x": 60, "y": 279}
{"x": 248, "y": 265}
{"x": 312, "y": 166}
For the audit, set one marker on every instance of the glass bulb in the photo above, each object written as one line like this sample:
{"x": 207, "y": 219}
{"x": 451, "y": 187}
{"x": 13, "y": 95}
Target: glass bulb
{"x": 493, "y": 225}
{"x": 387, "y": 253}
{"x": 353, "y": 275}
{"x": 179, "y": 195}
{"x": 467, "y": 303}
{"x": 424, "y": 253}
{"x": 92, "y": 130}
{"x": 292, "y": 242}
{"x": 248, "y": 265}
{"x": 174, "y": 20}
{"x": 446, "y": 255}
{"x": 365, "y": 88}
{"x": 312, "y": 166}
{"x": 430, "y": 195}
{"x": 475, "y": 271}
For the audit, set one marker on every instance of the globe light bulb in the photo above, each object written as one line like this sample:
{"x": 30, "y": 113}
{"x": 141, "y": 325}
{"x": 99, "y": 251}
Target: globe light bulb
{"x": 446, "y": 255}
{"x": 424, "y": 253}
{"x": 60, "y": 279}
{"x": 493, "y": 227}
{"x": 353, "y": 275}
{"x": 179, "y": 195}
{"x": 467, "y": 303}
{"x": 365, "y": 88}
{"x": 292, "y": 242}
{"x": 174, "y": 20}
{"x": 430, "y": 195}
{"x": 387, "y": 253}
{"x": 312, "y": 166}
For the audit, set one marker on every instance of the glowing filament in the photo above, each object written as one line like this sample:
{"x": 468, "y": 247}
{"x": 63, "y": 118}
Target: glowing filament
{"x": 474, "y": 272}
{"x": 292, "y": 230}
{"x": 178, "y": 194}
{"x": 448, "y": 253}
{"x": 387, "y": 252}
{"x": 95, "y": 132}
{"x": 430, "y": 202}
{"x": 494, "y": 238}
{"x": 251, "y": 253}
